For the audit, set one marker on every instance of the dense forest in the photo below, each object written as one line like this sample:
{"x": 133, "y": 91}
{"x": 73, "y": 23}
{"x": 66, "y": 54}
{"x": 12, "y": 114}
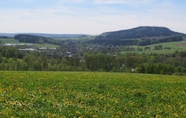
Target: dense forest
{"x": 16, "y": 60}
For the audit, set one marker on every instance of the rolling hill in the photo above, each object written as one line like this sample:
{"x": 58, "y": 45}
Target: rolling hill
{"x": 27, "y": 38}
{"x": 140, "y": 32}
{"x": 137, "y": 35}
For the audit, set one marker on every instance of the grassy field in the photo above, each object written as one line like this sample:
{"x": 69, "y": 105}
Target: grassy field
{"x": 8, "y": 40}
{"x": 175, "y": 46}
{"x": 87, "y": 95}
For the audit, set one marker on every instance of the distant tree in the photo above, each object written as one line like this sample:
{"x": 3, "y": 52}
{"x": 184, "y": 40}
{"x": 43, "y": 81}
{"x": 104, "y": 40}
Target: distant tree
{"x": 158, "y": 47}
{"x": 1, "y": 57}
{"x": 182, "y": 54}
{"x": 141, "y": 68}
{"x": 37, "y": 66}
{"x": 41, "y": 41}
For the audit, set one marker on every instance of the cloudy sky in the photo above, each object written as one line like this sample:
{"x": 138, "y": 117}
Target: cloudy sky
{"x": 89, "y": 16}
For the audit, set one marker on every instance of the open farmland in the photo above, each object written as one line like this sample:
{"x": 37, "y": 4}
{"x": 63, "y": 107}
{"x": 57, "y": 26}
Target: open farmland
{"x": 88, "y": 94}
{"x": 11, "y": 40}
{"x": 174, "y": 46}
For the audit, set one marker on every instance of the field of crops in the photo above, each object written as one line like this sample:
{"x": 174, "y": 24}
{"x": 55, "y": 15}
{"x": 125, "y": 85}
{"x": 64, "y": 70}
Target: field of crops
{"x": 88, "y": 94}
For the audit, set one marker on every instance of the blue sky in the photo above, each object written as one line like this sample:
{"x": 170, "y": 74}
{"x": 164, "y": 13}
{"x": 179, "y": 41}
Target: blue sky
{"x": 89, "y": 16}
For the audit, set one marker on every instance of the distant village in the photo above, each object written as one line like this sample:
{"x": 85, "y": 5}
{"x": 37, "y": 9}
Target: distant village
{"x": 28, "y": 47}
{"x": 71, "y": 49}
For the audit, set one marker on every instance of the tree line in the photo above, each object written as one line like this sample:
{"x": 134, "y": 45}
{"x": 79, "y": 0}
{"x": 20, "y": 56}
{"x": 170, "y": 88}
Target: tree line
{"x": 16, "y": 60}
{"x": 147, "y": 41}
{"x": 141, "y": 42}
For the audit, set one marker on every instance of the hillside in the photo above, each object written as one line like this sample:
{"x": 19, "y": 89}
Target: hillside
{"x": 35, "y": 39}
{"x": 139, "y": 32}
{"x": 130, "y": 36}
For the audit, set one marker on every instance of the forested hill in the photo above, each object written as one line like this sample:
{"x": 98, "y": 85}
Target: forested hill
{"x": 126, "y": 37}
{"x": 139, "y": 32}
{"x": 35, "y": 39}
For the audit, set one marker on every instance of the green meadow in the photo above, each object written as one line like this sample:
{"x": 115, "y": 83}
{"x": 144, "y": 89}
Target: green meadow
{"x": 90, "y": 94}
{"x": 175, "y": 46}
{"x": 11, "y": 40}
